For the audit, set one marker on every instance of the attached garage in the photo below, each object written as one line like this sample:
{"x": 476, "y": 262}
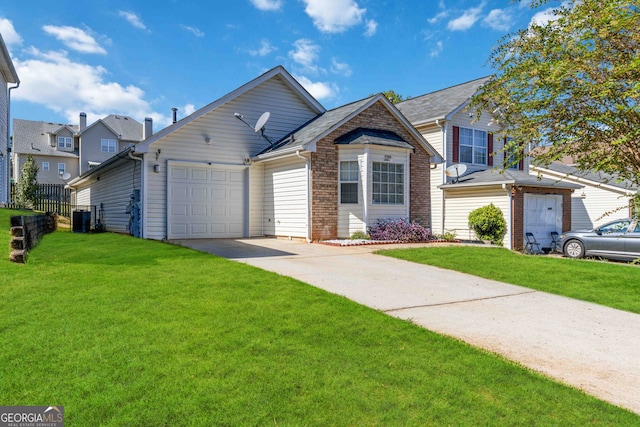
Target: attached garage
{"x": 206, "y": 201}
{"x": 542, "y": 215}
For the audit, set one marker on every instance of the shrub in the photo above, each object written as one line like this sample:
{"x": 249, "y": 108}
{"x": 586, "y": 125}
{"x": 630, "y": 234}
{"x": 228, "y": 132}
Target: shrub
{"x": 360, "y": 235}
{"x": 488, "y": 223}
{"x": 449, "y": 236}
{"x": 399, "y": 229}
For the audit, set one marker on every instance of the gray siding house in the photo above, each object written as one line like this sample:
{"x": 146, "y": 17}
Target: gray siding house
{"x": 7, "y": 75}
{"x": 58, "y": 148}
{"x": 308, "y": 173}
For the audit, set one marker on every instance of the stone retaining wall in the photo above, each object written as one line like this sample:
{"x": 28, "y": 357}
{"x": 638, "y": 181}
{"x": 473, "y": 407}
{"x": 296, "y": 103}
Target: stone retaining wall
{"x": 26, "y": 232}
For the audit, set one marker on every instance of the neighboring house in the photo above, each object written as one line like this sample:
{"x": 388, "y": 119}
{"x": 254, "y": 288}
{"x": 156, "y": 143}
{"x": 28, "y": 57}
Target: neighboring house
{"x": 602, "y": 199}
{"x": 527, "y": 203}
{"x": 7, "y": 75}
{"x": 309, "y": 173}
{"x": 59, "y": 148}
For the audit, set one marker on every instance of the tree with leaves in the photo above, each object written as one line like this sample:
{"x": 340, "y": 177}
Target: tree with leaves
{"x": 394, "y": 97}
{"x": 572, "y": 86}
{"x": 27, "y": 186}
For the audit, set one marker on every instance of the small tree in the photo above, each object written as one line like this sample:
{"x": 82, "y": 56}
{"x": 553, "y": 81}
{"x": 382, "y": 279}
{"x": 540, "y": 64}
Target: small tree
{"x": 488, "y": 223}
{"x": 27, "y": 186}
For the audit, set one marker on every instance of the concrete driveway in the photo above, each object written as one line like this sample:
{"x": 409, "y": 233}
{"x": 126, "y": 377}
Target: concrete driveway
{"x": 591, "y": 347}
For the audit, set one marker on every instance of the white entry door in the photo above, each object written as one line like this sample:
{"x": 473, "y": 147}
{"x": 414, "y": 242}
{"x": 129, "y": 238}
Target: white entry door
{"x": 542, "y": 215}
{"x": 205, "y": 201}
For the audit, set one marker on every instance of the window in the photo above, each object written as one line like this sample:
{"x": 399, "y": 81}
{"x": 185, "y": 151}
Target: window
{"x": 509, "y": 156}
{"x": 65, "y": 142}
{"x": 473, "y": 146}
{"x": 45, "y": 166}
{"x": 108, "y": 145}
{"x": 349, "y": 172}
{"x": 62, "y": 168}
{"x": 388, "y": 183}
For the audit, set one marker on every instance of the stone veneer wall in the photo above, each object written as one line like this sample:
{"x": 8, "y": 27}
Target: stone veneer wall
{"x": 324, "y": 173}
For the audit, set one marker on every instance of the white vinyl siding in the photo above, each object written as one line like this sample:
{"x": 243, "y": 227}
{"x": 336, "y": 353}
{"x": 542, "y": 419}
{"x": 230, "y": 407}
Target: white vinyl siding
{"x": 231, "y": 142}
{"x": 285, "y": 203}
{"x": 351, "y": 215}
{"x": 388, "y": 211}
{"x": 113, "y": 191}
{"x": 256, "y": 199}
{"x": 460, "y": 203}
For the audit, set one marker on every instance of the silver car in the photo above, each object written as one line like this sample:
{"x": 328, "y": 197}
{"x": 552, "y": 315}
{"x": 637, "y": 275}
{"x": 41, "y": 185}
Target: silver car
{"x": 618, "y": 239}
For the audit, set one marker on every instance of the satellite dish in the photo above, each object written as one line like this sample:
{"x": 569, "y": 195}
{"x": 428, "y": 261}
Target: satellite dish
{"x": 262, "y": 121}
{"x": 66, "y": 176}
{"x": 456, "y": 170}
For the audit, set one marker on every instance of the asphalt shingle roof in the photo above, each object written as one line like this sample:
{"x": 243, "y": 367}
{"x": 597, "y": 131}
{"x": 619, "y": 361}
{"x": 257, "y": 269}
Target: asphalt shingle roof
{"x": 509, "y": 176}
{"x": 31, "y": 137}
{"x": 439, "y": 103}
{"x": 129, "y": 129}
{"x": 599, "y": 177}
{"x": 366, "y": 136}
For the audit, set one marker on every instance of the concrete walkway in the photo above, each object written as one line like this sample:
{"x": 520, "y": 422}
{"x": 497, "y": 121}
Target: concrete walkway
{"x": 591, "y": 347}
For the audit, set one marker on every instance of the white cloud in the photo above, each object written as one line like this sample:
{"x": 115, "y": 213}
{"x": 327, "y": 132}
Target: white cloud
{"x": 334, "y": 16}
{"x": 543, "y": 18}
{"x": 267, "y": 5}
{"x": 193, "y": 30}
{"x": 75, "y": 38}
{"x": 52, "y": 80}
{"x": 9, "y": 34}
{"x": 319, "y": 90}
{"x": 437, "y": 49}
{"x": 305, "y": 53}
{"x": 264, "y": 49}
{"x": 340, "y": 68}
{"x": 498, "y": 19}
{"x": 466, "y": 20}
{"x": 372, "y": 27}
{"x": 133, "y": 19}
{"x": 440, "y": 16}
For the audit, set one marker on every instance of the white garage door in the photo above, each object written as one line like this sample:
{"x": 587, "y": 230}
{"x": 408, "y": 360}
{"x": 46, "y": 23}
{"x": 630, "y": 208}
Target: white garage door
{"x": 542, "y": 215}
{"x": 205, "y": 201}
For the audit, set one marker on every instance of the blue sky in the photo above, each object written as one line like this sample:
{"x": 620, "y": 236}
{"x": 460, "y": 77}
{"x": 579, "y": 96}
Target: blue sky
{"x": 141, "y": 58}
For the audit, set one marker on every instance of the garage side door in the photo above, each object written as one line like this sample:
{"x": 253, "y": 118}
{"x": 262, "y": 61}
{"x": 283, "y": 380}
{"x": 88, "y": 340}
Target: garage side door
{"x": 542, "y": 215}
{"x": 205, "y": 201}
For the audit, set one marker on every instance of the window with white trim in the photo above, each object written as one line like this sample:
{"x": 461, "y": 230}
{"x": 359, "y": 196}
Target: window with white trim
{"x": 65, "y": 142}
{"x": 45, "y": 166}
{"x": 510, "y": 161}
{"x": 349, "y": 177}
{"x": 473, "y": 146}
{"x": 62, "y": 168}
{"x": 108, "y": 145}
{"x": 388, "y": 183}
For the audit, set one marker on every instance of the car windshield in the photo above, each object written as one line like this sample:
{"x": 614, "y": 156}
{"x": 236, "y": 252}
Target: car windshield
{"x": 615, "y": 227}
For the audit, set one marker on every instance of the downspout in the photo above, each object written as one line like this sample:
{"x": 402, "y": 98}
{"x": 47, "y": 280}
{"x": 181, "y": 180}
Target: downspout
{"x": 142, "y": 204}
{"x": 444, "y": 176}
{"x": 307, "y": 166}
{"x": 509, "y": 217}
{"x": 7, "y": 182}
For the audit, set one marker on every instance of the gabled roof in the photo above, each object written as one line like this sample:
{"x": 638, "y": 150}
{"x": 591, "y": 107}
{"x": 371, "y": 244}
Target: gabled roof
{"x": 439, "y": 104}
{"x": 123, "y": 127}
{"x": 596, "y": 178}
{"x": 278, "y": 71}
{"x": 305, "y": 137}
{"x": 365, "y": 136}
{"x": 508, "y": 177}
{"x": 6, "y": 65}
{"x": 31, "y": 137}
{"x": 64, "y": 127}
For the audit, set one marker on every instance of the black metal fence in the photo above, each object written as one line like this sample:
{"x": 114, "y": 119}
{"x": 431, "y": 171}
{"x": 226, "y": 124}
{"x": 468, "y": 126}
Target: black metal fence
{"x": 51, "y": 198}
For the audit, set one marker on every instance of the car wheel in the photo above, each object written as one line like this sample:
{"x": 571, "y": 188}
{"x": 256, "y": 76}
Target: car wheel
{"x": 574, "y": 249}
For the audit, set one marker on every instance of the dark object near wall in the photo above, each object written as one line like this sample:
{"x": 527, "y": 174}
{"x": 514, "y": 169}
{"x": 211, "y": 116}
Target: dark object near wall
{"x": 26, "y": 232}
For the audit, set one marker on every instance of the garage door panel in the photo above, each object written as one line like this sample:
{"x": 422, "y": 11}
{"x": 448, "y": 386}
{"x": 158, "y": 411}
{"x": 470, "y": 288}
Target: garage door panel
{"x": 206, "y": 202}
{"x": 542, "y": 215}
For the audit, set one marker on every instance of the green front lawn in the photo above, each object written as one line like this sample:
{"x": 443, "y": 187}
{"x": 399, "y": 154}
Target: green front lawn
{"x": 615, "y": 285}
{"x": 127, "y": 332}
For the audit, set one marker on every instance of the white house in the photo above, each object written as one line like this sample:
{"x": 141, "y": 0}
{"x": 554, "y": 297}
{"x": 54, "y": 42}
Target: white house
{"x": 528, "y": 203}
{"x": 307, "y": 173}
{"x": 7, "y": 75}
{"x": 603, "y": 197}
